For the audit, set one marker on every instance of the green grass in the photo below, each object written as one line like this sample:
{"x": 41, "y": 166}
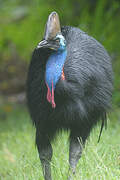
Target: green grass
{"x": 19, "y": 159}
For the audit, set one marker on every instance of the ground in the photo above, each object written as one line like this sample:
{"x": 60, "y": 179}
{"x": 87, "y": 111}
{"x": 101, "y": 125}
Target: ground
{"x": 19, "y": 159}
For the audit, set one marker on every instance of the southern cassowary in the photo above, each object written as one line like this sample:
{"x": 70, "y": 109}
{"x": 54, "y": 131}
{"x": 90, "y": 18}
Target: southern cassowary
{"x": 69, "y": 86}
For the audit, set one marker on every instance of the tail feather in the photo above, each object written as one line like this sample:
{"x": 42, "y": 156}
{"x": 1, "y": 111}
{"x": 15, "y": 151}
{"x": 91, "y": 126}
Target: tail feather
{"x": 104, "y": 123}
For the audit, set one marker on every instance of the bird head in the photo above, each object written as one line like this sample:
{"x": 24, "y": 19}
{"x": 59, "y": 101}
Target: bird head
{"x": 53, "y": 38}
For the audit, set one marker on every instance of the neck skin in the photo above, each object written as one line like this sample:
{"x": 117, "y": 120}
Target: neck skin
{"x": 54, "y": 68}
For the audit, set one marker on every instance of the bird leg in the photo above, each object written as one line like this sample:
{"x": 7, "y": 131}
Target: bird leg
{"x": 45, "y": 154}
{"x": 75, "y": 151}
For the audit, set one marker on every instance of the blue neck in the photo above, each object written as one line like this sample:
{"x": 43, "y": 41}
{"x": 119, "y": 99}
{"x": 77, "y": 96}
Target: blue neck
{"x": 54, "y": 67}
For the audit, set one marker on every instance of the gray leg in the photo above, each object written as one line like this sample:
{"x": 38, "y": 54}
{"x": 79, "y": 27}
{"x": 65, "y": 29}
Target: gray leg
{"x": 45, "y": 154}
{"x": 75, "y": 151}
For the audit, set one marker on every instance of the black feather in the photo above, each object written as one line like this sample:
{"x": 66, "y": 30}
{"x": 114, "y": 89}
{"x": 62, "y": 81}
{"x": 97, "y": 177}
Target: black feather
{"x": 104, "y": 123}
{"x": 83, "y": 98}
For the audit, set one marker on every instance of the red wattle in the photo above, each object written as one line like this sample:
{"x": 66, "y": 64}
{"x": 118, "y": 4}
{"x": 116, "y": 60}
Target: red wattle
{"x": 52, "y": 100}
{"x": 48, "y": 94}
{"x": 63, "y": 75}
{"x": 50, "y": 97}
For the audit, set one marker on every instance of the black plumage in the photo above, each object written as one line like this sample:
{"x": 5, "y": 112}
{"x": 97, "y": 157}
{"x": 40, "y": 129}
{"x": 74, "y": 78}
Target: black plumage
{"x": 82, "y": 99}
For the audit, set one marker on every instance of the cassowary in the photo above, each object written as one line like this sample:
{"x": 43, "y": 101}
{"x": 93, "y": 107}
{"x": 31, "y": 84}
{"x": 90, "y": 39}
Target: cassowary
{"x": 69, "y": 86}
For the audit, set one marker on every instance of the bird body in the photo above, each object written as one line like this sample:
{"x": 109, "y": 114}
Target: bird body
{"x": 77, "y": 79}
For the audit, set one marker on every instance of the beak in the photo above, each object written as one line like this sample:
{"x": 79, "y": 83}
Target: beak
{"x": 42, "y": 43}
{"x": 48, "y": 44}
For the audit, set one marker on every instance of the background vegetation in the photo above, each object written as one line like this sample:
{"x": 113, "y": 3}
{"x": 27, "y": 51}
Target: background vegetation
{"x": 21, "y": 28}
{"x": 19, "y": 159}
